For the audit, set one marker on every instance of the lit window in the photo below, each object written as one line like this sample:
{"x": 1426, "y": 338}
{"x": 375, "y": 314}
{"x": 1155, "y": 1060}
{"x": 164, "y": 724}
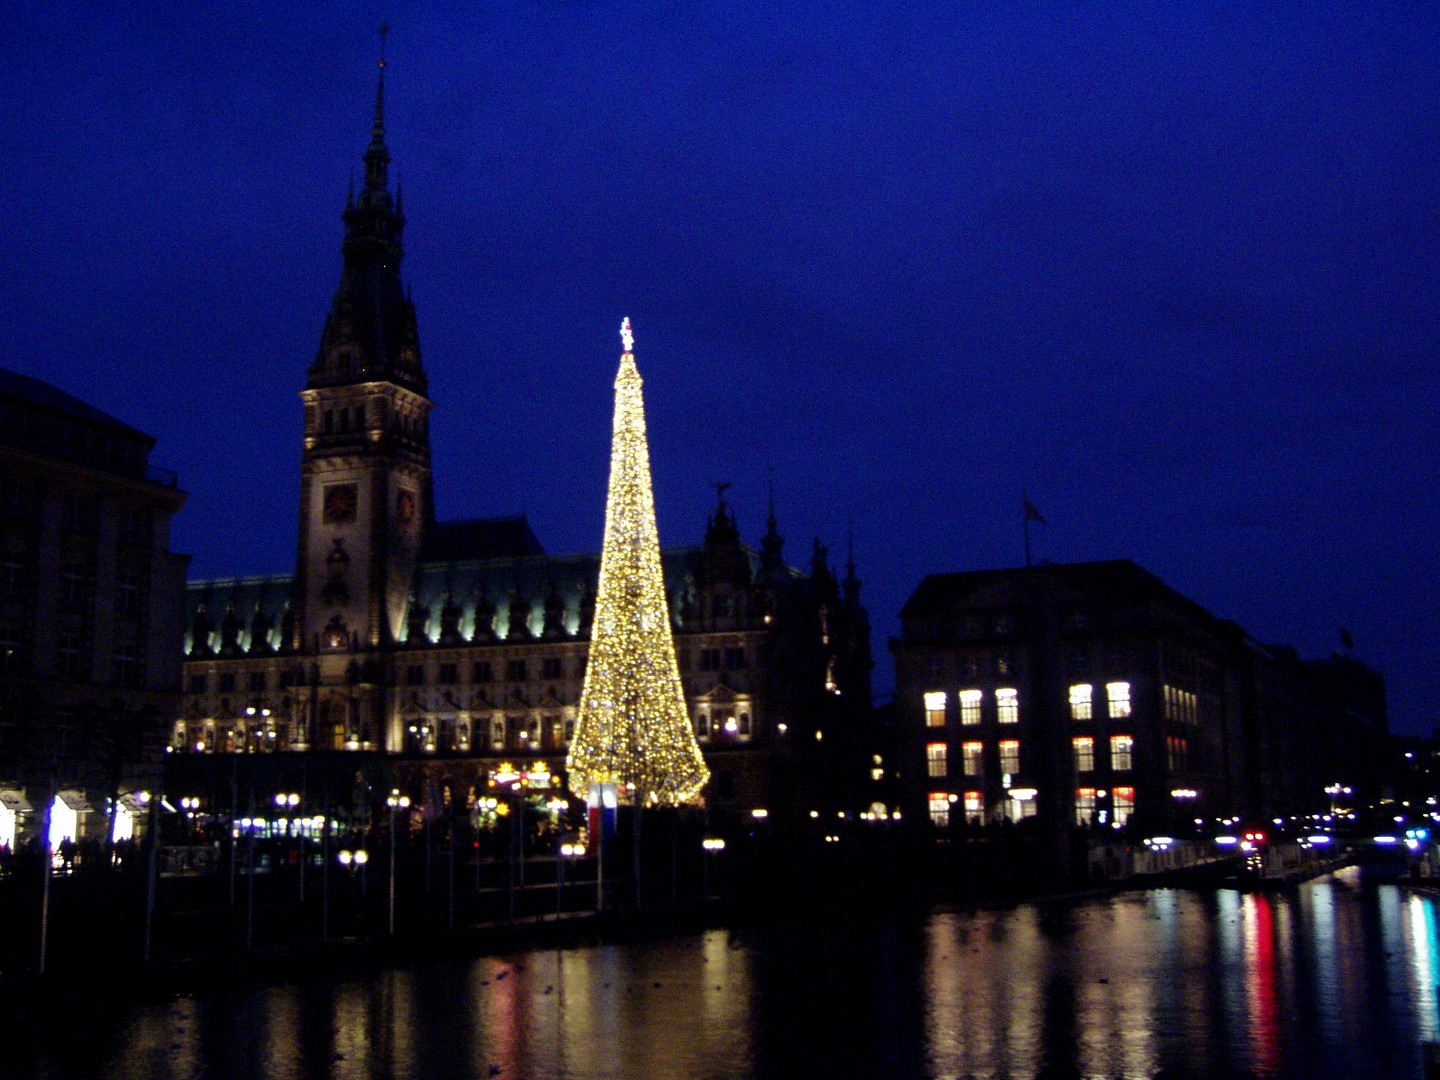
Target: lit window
{"x": 1177, "y": 750}
{"x": 1121, "y": 747}
{"x": 935, "y": 758}
{"x": 1084, "y": 754}
{"x": 1010, "y": 756}
{"x": 971, "y": 752}
{"x": 935, "y": 708}
{"x": 939, "y": 809}
{"x": 1084, "y": 806}
{"x": 970, "y": 706}
{"x": 1119, "y": 695}
{"x": 1080, "y": 702}
{"x": 1124, "y": 804}
{"x": 1180, "y": 706}
{"x": 974, "y": 808}
{"x": 1007, "y": 706}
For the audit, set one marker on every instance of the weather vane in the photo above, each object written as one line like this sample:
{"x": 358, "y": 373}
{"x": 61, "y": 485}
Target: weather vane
{"x": 627, "y": 336}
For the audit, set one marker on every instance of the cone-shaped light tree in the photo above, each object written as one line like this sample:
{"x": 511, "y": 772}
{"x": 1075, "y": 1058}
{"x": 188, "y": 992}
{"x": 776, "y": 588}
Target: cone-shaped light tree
{"x": 633, "y": 728}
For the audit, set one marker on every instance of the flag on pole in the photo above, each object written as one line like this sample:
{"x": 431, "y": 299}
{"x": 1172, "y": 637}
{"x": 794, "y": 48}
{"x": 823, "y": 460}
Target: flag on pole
{"x": 1031, "y": 514}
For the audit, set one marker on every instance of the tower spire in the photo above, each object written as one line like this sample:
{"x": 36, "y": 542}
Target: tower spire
{"x": 377, "y": 157}
{"x": 634, "y": 728}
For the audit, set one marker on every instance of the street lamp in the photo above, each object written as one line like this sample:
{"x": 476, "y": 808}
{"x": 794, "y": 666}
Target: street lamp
{"x": 712, "y": 845}
{"x": 396, "y": 801}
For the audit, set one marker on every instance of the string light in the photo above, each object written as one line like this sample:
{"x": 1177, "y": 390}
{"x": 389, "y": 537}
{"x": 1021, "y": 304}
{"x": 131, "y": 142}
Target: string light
{"x": 633, "y": 728}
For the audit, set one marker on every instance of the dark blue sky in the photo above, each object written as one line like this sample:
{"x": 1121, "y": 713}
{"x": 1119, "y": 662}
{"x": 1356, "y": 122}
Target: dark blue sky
{"x": 1172, "y": 268}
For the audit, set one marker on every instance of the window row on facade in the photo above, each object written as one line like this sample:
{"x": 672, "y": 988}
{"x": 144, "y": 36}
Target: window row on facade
{"x": 1093, "y": 807}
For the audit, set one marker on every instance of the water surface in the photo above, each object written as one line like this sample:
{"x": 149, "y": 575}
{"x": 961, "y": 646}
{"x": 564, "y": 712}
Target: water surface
{"x": 1329, "y": 980}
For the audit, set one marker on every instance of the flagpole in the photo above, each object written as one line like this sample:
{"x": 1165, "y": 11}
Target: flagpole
{"x": 1025, "y": 517}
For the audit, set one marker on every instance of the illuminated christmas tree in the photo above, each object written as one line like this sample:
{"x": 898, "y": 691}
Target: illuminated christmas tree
{"x": 633, "y": 727}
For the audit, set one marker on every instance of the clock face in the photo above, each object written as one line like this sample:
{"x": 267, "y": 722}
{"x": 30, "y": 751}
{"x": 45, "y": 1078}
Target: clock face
{"x": 339, "y": 504}
{"x": 405, "y": 507}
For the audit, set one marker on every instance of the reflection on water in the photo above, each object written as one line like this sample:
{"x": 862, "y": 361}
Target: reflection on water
{"x": 1326, "y": 981}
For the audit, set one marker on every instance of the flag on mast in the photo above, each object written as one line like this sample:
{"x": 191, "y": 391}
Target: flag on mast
{"x": 1031, "y": 514}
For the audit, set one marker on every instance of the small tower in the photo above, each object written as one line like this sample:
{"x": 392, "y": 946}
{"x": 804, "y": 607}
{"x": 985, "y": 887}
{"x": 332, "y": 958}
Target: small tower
{"x": 633, "y": 728}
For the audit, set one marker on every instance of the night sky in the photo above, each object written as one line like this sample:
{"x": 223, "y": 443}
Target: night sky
{"x": 1171, "y": 268}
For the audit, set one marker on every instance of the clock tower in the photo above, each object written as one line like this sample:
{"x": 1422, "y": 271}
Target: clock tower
{"x": 365, "y": 471}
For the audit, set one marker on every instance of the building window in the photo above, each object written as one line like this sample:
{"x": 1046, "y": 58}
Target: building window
{"x": 971, "y": 755}
{"x": 415, "y": 675}
{"x": 1004, "y": 665}
{"x": 974, "y": 808}
{"x": 127, "y": 663}
{"x": 449, "y": 674}
{"x": 1007, "y": 706}
{"x": 227, "y": 682}
{"x": 702, "y": 725}
{"x": 17, "y": 497}
{"x": 480, "y": 673}
{"x": 935, "y": 708}
{"x": 13, "y": 578}
{"x": 1121, "y": 747}
{"x": 970, "y": 706}
{"x": 257, "y": 682}
{"x": 73, "y": 582}
{"x": 1177, "y": 750}
{"x": 744, "y": 725}
{"x": 1080, "y": 708}
{"x": 1084, "y": 754}
{"x": 197, "y": 683}
{"x": 1009, "y": 756}
{"x": 1084, "y": 806}
{"x": 13, "y": 656}
{"x": 550, "y": 667}
{"x": 70, "y": 651}
{"x": 935, "y": 759}
{"x": 1180, "y": 706}
{"x": 516, "y": 671}
{"x": 79, "y": 513}
{"x": 939, "y": 809}
{"x": 1118, "y": 694}
{"x": 1124, "y": 804}
{"x": 135, "y": 524}
{"x": 735, "y": 658}
{"x": 969, "y": 667}
{"x": 709, "y": 659}
{"x": 127, "y": 592}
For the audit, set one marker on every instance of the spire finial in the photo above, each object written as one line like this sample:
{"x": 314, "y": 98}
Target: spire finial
{"x": 379, "y": 131}
{"x": 627, "y": 336}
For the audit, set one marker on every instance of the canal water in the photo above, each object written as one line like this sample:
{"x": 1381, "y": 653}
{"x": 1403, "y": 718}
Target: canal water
{"x": 1328, "y": 980}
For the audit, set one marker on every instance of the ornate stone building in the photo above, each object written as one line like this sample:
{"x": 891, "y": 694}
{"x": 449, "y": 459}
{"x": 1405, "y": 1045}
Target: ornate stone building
{"x": 455, "y": 651}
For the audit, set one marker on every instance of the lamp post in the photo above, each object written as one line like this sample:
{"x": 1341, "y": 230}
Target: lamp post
{"x": 395, "y": 802}
{"x": 285, "y": 803}
{"x": 711, "y": 845}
